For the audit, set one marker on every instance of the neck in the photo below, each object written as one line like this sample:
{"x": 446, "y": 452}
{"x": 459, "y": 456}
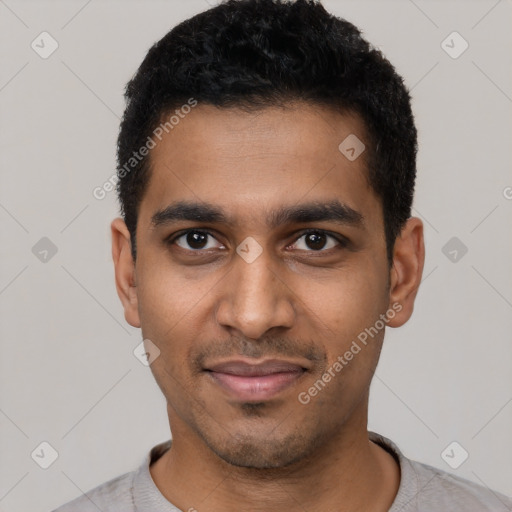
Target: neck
{"x": 348, "y": 473}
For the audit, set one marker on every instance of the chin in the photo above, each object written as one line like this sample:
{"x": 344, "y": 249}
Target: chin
{"x": 265, "y": 453}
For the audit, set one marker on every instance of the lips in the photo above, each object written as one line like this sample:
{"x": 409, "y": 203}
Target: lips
{"x": 255, "y": 382}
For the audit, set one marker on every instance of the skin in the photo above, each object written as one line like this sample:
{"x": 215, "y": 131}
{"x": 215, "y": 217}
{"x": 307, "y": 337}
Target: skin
{"x": 295, "y": 301}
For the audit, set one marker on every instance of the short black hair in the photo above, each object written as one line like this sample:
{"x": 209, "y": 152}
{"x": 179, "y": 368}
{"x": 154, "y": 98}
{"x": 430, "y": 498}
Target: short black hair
{"x": 254, "y": 54}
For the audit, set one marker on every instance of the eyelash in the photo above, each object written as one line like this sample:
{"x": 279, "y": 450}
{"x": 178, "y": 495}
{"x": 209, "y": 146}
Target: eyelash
{"x": 342, "y": 241}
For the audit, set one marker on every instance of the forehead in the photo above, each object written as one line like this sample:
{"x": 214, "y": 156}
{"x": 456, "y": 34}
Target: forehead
{"x": 251, "y": 162}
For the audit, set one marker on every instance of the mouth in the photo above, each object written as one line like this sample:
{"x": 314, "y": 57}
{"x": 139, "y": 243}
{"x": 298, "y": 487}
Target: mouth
{"x": 255, "y": 382}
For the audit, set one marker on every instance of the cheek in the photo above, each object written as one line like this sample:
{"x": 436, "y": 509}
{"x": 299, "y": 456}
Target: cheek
{"x": 344, "y": 311}
{"x": 167, "y": 298}
{"x": 348, "y": 301}
{"x": 347, "y": 314}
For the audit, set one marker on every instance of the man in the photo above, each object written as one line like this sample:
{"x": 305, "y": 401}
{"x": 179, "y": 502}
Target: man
{"x": 266, "y": 175}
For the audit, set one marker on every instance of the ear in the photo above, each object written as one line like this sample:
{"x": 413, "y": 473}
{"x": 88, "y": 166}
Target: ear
{"x": 406, "y": 272}
{"x": 125, "y": 271}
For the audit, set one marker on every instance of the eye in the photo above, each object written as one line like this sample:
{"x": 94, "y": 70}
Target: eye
{"x": 196, "y": 240}
{"x": 317, "y": 240}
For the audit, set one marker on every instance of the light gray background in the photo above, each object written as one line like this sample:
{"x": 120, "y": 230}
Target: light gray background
{"x": 68, "y": 374}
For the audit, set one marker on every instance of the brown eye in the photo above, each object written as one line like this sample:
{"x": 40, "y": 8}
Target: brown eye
{"x": 196, "y": 240}
{"x": 316, "y": 241}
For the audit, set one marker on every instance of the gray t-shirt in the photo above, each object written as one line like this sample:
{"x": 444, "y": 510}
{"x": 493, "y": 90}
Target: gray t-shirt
{"x": 422, "y": 488}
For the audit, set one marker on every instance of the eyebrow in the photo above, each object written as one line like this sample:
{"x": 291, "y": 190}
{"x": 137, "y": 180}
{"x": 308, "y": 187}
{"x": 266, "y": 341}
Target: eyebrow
{"x": 332, "y": 211}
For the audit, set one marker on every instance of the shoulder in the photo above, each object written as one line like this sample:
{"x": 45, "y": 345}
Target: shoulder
{"x": 122, "y": 493}
{"x": 426, "y": 488}
{"x": 439, "y": 490}
{"x": 116, "y": 495}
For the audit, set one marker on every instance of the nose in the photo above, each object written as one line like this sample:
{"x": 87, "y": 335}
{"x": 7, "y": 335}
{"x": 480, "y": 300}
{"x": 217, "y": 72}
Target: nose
{"x": 254, "y": 299}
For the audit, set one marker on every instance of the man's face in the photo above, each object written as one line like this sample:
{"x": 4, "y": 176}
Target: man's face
{"x": 247, "y": 309}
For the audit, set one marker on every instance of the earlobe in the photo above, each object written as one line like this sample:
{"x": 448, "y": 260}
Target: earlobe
{"x": 406, "y": 271}
{"x": 125, "y": 271}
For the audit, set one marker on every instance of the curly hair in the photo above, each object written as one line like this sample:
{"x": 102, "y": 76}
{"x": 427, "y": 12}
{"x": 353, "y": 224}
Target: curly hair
{"x": 254, "y": 54}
